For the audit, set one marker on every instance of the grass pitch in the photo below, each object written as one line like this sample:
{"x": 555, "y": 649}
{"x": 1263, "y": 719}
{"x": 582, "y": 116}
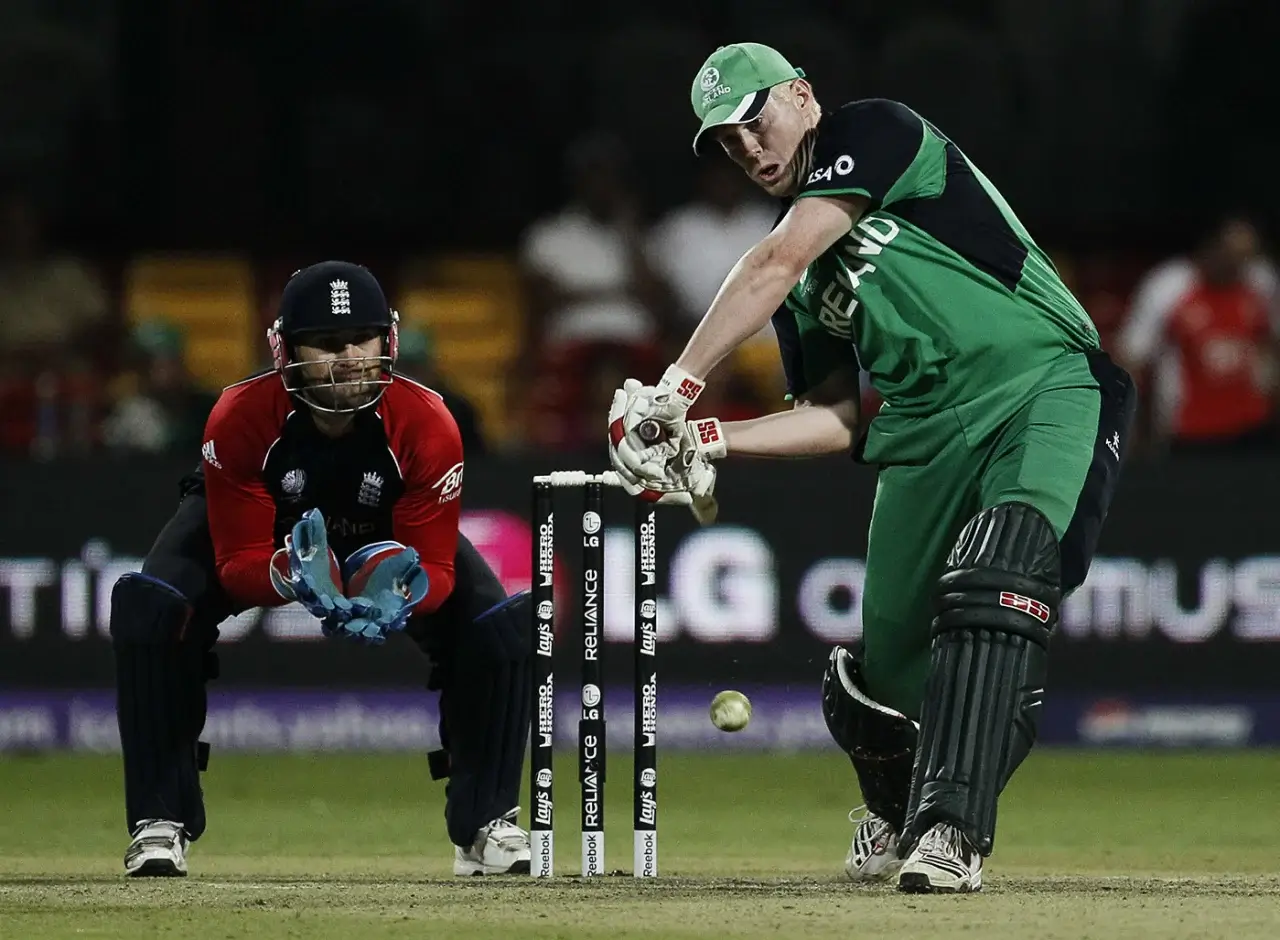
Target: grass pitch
{"x": 1091, "y": 845}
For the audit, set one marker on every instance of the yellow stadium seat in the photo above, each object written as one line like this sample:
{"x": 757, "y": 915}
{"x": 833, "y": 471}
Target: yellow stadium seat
{"x": 450, "y": 311}
{"x": 495, "y": 276}
{"x": 489, "y": 396}
{"x": 473, "y": 307}
{"x": 757, "y": 358}
{"x": 489, "y": 354}
{"x": 210, "y": 298}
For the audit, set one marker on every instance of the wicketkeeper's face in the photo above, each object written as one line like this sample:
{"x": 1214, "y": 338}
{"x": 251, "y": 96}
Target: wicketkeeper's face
{"x": 342, "y": 370}
{"x": 767, "y": 147}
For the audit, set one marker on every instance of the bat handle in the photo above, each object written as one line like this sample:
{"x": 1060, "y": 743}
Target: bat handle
{"x": 650, "y": 431}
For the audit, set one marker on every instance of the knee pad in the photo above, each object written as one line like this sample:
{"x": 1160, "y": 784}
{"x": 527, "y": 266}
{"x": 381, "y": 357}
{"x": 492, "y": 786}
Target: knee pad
{"x": 146, "y": 611}
{"x": 484, "y": 710}
{"x": 997, "y": 607}
{"x": 880, "y": 742}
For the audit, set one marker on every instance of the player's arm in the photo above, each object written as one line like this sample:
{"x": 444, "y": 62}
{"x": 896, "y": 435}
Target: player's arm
{"x": 761, "y": 279}
{"x": 822, "y": 382}
{"x": 426, "y": 517}
{"x": 866, "y": 155}
{"x": 241, "y": 511}
{"x": 823, "y": 421}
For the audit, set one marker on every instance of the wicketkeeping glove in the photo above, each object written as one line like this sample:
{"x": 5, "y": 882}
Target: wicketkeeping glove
{"x": 385, "y": 581}
{"x": 306, "y": 571}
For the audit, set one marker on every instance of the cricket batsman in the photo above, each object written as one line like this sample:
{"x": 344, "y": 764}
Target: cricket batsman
{"x": 328, "y": 457}
{"x": 997, "y": 449}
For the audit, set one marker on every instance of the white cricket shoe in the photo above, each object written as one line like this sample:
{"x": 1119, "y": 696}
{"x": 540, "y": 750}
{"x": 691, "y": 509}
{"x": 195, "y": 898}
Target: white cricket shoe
{"x": 943, "y": 862}
{"x": 501, "y": 848}
{"x": 158, "y": 850}
{"x": 873, "y": 855}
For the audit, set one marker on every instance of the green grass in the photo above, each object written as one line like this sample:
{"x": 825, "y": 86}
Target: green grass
{"x": 1091, "y": 845}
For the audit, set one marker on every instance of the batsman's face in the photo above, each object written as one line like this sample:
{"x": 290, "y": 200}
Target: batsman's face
{"x": 342, "y": 370}
{"x": 767, "y": 147}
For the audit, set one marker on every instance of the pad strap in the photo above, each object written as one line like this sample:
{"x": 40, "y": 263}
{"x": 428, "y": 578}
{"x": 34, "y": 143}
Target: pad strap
{"x": 880, "y": 742}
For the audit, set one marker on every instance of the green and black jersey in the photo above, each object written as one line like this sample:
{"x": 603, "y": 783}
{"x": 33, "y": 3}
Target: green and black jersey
{"x": 939, "y": 293}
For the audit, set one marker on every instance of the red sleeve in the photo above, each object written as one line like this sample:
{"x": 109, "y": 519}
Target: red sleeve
{"x": 426, "y": 516}
{"x": 241, "y": 511}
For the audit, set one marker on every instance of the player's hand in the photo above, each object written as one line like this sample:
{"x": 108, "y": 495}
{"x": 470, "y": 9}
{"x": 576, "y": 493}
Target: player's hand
{"x": 306, "y": 571}
{"x": 702, "y": 504}
{"x": 666, "y": 403}
{"x": 385, "y": 581}
{"x": 638, "y": 460}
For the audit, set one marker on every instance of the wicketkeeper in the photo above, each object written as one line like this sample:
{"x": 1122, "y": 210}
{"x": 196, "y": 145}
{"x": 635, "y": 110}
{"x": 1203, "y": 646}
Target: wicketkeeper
{"x": 334, "y": 482}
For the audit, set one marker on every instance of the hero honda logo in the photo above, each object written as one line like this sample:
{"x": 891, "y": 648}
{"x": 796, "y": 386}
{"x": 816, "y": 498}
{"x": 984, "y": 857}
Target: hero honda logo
{"x": 649, "y": 712}
{"x": 546, "y": 574}
{"x": 546, "y": 713}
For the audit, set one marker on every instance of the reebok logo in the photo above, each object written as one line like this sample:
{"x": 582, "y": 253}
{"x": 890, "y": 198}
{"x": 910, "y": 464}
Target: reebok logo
{"x": 1025, "y": 604}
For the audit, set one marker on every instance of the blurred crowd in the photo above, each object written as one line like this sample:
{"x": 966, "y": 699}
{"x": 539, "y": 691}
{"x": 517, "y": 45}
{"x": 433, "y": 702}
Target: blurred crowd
{"x": 287, "y": 132}
{"x": 608, "y": 292}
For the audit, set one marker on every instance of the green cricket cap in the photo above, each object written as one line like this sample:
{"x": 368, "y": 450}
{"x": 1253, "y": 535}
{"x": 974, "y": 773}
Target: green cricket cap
{"x": 733, "y": 84}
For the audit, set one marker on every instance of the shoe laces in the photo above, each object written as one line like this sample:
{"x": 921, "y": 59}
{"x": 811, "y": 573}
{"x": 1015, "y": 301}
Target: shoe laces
{"x": 172, "y": 830}
{"x": 879, "y": 828}
{"x": 944, "y": 840}
{"x": 506, "y": 832}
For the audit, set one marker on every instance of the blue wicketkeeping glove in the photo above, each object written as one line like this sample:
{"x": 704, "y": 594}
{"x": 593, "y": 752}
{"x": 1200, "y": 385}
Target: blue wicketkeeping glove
{"x": 305, "y": 570}
{"x": 387, "y": 581}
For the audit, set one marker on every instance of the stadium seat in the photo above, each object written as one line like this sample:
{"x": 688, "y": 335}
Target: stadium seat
{"x": 211, "y": 298}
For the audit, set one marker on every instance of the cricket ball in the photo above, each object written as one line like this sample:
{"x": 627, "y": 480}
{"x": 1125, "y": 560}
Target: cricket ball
{"x": 730, "y": 711}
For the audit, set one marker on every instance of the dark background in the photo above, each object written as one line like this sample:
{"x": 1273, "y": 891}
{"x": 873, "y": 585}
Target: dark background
{"x": 337, "y": 126}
